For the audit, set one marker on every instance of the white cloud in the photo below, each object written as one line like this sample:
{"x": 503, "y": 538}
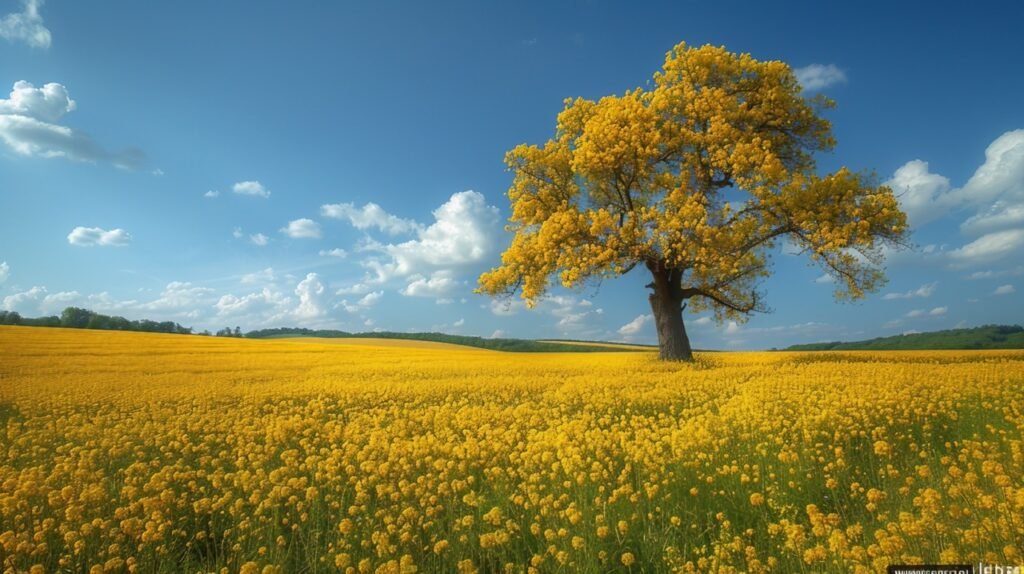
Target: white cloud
{"x": 356, "y": 289}
{"x": 1002, "y": 174}
{"x": 732, "y": 328}
{"x": 5, "y": 271}
{"x": 364, "y": 303}
{"x": 633, "y": 327}
{"x": 180, "y": 298}
{"x": 303, "y": 228}
{"x": 26, "y": 26}
{"x": 438, "y": 284}
{"x": 1002, "y": 214}
{"x": 312, "y": 303}
{"x": 935, "y": 312}
{"x": 336, "y": 252}
{"x": 259, "y": 239}
{"x": 211, "y": 194}
{"x": 922, "y": 291}
{"x": 463, "y": 233}
{"x": 237, "y": 233}
{"x": 995, "y": 192}
{"x": 254, "y": 304}
{"x": 251, "y": 188}
{"x": 265, "y": 276}
{"x": 95, "y": 236}
{"x": 989, "y": 247}
{"x": 57, "y": 302}
{"x": 1004, "y": 290}
{"x": 25, "y": 301}
{"x": 1014, "y": 272}
{"x": 825, "y": 278}
{"x": 702, "y": 321}
{"x": 921, "y": 193}
{"x": 369, "y": 215}
{"x": 26, "y": 126}
{"x": 819, "y": 76}
{"x": 497, "y": 334}
{"x": 459, "y": 323}
{"x": 47, "y": 103}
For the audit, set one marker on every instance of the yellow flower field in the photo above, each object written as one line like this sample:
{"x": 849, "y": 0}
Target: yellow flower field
{"x": 166, "y": 453}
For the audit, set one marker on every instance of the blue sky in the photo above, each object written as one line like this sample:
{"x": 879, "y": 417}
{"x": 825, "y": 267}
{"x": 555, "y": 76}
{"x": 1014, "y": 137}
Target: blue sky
{"x": 340, "y": 165}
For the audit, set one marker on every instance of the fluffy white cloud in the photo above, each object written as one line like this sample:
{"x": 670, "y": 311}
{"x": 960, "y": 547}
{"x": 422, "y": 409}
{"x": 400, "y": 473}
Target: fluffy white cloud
{"x": 938, "y": 311}
{"x": 312, "y": 302}
{"x": 825, "y": 278}
{"x": 303, "y": 228}
{"x": 463, "y": 232}
{"x": 989, "y": 247}
{"x": 922, "y": 291}
{"x": 995, "y": 192}
{"x": 211, "y": 194}
{"x": 364, "y": 303}
{"x": 336, "y": 252}
{"x": 180, "y": 299}
{"x": 259, "y": 239}
{"x": 5, "y": 271}
{"x": 819, "y": 76}
{"x": 1004, "y": 290}
{"x": 57, "y": 302}
{"x": 497, "y": 334}
{"x": 921, "y": 193}
{"x": 633, "y": 327}
{"x": 26, "y": 26}
{"x": 27, "y": 128}
{"x": 438, "y": 284}
{"x": 25, "y": 301}
{"x": 251, "y": 188}
{"x": 47, "y": 103}
{"x": 253, "y": 305}
{"x": 95, "y": 236}
{"x": 703, "y": 321}
{"x": 1002, "y": 174}
{"x": 369, "y": 216}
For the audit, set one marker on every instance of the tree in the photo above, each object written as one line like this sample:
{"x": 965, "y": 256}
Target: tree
{"x": 695, "y": 179}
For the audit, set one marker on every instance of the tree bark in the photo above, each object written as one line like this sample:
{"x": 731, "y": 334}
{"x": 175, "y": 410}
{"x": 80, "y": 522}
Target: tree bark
{"x": 667, "y": 305}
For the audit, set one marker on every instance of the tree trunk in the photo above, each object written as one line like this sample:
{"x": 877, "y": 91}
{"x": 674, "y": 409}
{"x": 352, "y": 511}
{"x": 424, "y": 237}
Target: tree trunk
{"x": 667, "y": 305}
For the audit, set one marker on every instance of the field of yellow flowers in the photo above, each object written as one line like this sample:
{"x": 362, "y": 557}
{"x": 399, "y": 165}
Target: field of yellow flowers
{"x": 167, "y": 453}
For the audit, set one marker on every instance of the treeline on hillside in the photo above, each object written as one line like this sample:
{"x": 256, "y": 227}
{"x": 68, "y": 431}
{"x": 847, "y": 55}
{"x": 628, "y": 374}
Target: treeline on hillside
{"x": 78, "y": 318}
{"x": 984, "y": 337}
{"x": 508, "y": 345}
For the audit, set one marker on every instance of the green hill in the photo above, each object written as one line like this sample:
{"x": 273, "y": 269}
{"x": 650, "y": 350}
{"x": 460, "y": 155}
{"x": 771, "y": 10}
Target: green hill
{"x": 984, "y": 337}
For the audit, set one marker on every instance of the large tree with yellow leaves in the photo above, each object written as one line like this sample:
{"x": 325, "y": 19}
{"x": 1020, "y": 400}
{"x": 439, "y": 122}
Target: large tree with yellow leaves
{"x": 694, "y": 179}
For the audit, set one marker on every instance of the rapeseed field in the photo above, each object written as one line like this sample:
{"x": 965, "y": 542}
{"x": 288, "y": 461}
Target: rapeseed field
{"x": 129, "y": 452}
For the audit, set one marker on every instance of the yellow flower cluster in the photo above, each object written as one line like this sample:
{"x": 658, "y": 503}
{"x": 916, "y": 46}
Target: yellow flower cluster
{"x": 129, "y": 452}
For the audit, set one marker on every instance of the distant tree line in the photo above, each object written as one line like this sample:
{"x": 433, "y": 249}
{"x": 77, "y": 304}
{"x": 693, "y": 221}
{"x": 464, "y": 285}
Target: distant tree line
{"x": 508, "y": 345}
{"x": 984, "y": 337}
{"x": 78, "y": 318}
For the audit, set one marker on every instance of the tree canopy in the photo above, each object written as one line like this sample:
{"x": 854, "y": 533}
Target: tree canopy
{"x": 695, "y": 178}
